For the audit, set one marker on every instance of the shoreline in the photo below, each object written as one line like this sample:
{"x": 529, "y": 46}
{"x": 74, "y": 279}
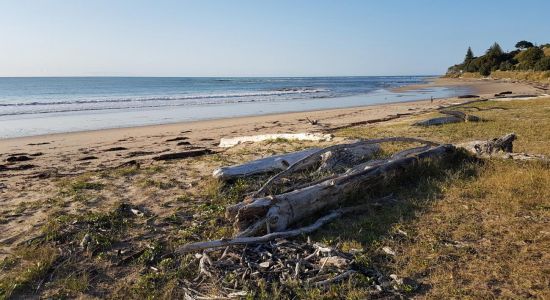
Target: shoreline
{"x": 57, "y": 149}
{"x": 407, "y": 88}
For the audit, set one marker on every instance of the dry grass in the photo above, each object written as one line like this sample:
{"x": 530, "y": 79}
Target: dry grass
{"x": 540, "y": 76}
{"x": 462, "y": 229}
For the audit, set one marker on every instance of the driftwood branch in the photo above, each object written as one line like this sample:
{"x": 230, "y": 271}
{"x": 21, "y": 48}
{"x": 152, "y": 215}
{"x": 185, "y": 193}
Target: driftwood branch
{"x": 262, "y": 166}
{"x": 194, "y": 247}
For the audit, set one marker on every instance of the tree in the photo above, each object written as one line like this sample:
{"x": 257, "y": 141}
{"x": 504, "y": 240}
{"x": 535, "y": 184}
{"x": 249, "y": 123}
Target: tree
{"x": 524, "y": 45}
{"x": 469, "y": 55}
{"x": 495, "y": 50}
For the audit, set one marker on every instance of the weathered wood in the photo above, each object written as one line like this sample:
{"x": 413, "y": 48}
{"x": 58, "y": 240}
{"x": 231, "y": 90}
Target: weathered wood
{"x": 344, "y": 158}
{"x": 184, "y": 154}
{"x": 439, "y": 121}
{"x": 230, "y": 142}
{"x": 500, "y": 147}
{"x": 372, "y": 121}
{"x": 316, "y": 157}
{"x": 299, "y": 204}
{"x": 455, "y": 116}
{"x": 465, "y": 117}
{"x": 467, "y": 96}
{"x": 194, "y": 247}
{"x": 263, "y": 165}
{"x": 490, "y": 147}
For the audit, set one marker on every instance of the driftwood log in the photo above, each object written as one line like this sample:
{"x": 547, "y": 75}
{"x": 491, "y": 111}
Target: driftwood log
{"x": 274, "y": 235}
{"x": 280, "y": 211}
{"x": 262, "y": 166}
{"x": 500, "y": 147}
{"x": 454, "y": 116}
{"x": 183, "y": 154}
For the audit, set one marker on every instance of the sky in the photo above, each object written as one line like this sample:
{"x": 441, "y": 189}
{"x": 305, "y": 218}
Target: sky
{"x": 257, "y": 37}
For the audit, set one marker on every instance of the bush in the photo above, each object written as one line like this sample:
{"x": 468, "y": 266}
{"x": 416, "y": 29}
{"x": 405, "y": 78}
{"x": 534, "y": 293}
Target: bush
{"x": 506, "y": 66}
{"x": 543, "y": 64}
{"x": 485, "y": 70}
{"x": 495, "y": 59}
{"x": 528, "y": 58}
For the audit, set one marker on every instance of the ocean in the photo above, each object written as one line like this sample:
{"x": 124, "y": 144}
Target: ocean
{"x": 43, "y": 105}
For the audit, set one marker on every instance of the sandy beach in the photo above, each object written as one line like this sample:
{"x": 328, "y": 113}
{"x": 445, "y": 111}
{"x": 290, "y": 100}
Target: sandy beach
{"x": 207, "y": 133}
{"x": 71, "y": 154}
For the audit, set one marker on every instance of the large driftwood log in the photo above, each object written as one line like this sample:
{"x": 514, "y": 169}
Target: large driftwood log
{"x": 316, "y": 157}
{"x": 283, "y": 210}
{"x": 243, "y": 240}
{"x": 230, "y": 142}
{"x": 263, "y": 165}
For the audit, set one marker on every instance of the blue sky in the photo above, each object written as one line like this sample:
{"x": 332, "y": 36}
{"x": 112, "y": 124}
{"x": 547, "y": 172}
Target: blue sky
{"x": 257, "y": 38}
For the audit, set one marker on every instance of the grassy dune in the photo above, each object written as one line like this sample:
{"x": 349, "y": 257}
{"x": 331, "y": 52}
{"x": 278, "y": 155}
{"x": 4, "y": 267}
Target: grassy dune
{"x": 465, "y": 228}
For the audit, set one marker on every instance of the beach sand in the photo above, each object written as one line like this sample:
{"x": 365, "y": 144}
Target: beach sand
{"x": 50, "y": 158}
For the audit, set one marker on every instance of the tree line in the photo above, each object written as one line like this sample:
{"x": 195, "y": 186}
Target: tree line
{"x": 526, "y": 57}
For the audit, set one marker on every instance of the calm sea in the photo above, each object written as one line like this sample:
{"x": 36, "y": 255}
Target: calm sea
{"x": 32, "y": 106}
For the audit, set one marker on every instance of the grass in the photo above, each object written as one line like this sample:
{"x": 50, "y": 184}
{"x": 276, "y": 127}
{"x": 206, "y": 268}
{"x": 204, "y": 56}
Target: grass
{"x": 540, "y": 76}
{"x": 460, "y": 229}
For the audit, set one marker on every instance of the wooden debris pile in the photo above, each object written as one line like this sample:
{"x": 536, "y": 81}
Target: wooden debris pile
{"x": 236, "y": 270}
{"x": 264, "y": 219}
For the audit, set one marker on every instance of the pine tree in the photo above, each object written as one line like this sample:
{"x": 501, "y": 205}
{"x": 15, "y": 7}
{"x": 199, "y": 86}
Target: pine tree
{"x": 495, "y": 50}
{"x": 469, "y": 55}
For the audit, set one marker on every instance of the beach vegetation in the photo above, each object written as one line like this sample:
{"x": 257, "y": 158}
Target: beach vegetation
{"x": 527, "y": 57}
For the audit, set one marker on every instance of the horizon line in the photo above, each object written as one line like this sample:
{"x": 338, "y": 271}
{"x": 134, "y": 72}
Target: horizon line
{"x": 237, "y": 76}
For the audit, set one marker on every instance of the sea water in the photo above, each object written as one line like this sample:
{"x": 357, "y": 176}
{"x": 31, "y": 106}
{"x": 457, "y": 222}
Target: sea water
{"x": 43, "y": 105}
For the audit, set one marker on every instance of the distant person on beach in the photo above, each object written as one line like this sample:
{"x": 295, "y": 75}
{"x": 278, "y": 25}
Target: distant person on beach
{"x": 432, "y": 99}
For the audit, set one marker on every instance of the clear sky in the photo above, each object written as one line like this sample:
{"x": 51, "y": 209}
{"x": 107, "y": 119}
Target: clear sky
{"x": 257, "y": 37}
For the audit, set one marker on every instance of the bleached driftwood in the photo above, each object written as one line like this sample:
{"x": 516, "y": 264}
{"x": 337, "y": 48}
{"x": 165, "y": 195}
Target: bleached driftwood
{"x": 230, "y": 142}
{"x": 263, "y": 165}
{"x": 439, "y": 121}
{"x": 454, "y": 116}
{"x": 349, "y": 155}
{"x": 500, "y": 147}
{"x": 465, "y": 117}
{"x": 194, "y": 247}
{"x": 315, "y": 157}
{"x": 344, "y": 158}
{"x": 282, "y": 210}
